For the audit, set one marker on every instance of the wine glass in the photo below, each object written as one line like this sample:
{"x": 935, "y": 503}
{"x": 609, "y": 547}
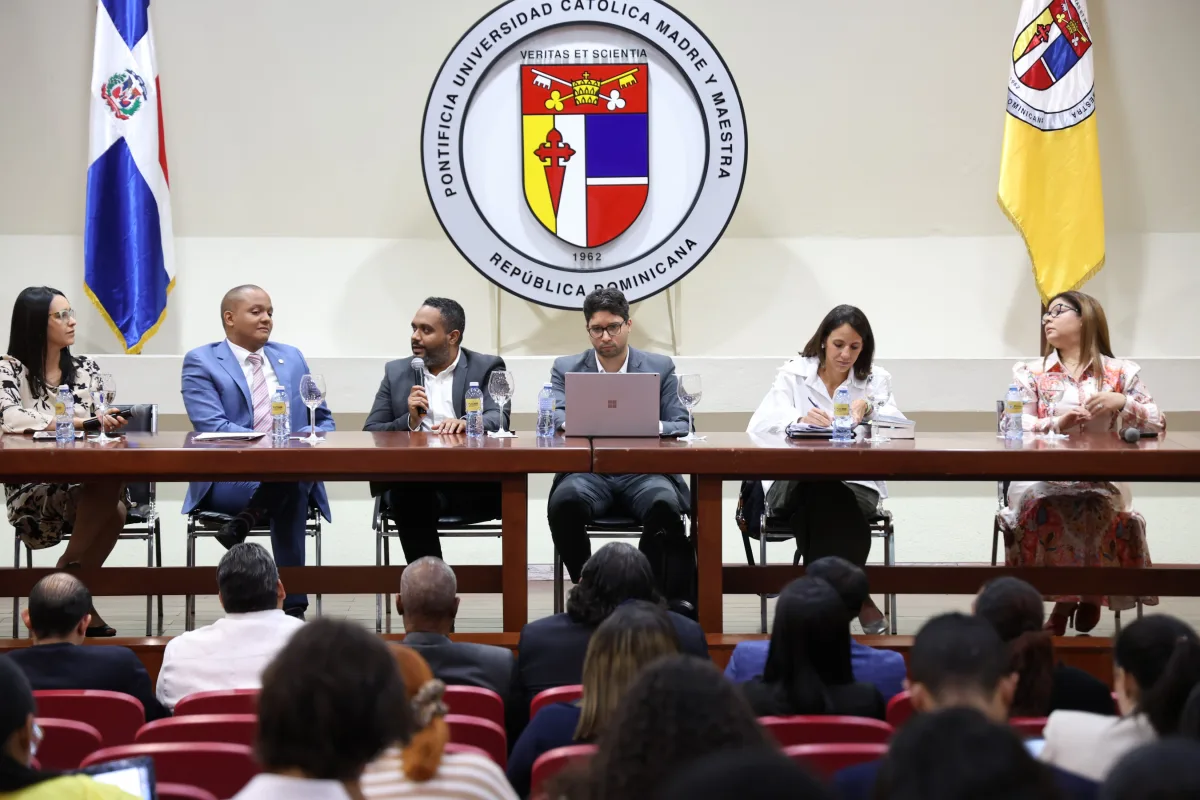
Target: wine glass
{"x": 103, "y": 390}
{"x": 690, "y": 392}
{"x": 500, "y": 387}
{"x": 880, "y": 393}
{"x": 312, "y": 392}
{"x": 1052, "y": 387}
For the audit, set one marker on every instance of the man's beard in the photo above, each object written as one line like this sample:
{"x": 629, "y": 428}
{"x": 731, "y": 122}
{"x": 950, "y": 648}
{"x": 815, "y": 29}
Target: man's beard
{"x": 438, "y": 357}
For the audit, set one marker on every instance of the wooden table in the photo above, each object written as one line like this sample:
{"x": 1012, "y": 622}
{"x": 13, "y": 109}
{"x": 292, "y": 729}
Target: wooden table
{"x": 933, "y": 457}
{"x": 345, "y": 456}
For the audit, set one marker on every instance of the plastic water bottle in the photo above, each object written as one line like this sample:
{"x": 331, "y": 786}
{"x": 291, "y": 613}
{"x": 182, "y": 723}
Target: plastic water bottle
{"x": 64, "y": 416}
{"x": 843, "y": 423}
{"x": 545, "y": 417}
{"x": 1014, "y": 407}
{"x": 281, "y": 418}
{"x": 474, "y": 404}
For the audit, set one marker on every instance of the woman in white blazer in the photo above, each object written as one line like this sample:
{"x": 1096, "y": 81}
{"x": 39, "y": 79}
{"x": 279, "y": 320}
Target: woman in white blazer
{"x": 829, "y": 518}
{"x": 1156, "y": 666}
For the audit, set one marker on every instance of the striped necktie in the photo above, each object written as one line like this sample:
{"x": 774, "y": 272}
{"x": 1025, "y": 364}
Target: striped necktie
{"x": 259, "y": 397}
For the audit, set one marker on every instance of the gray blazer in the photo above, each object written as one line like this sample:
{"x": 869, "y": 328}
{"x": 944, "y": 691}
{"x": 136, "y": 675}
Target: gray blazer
{"x": 465, "y": 663}
{"x": 390, "y": 410}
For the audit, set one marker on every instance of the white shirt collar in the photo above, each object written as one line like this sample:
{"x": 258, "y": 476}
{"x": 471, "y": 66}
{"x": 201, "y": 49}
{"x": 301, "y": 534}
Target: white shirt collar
{"x": 624, "y": 365}
{"x": 810, "y": 371}
{"x": 240, "y": 352}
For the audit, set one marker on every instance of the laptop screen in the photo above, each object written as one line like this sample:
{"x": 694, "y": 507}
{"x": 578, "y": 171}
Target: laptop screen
{"x": 132, "y": 775}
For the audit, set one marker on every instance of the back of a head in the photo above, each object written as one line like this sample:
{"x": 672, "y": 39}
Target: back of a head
{"x": 331, "y": 701}
{"x": 427, "y": 589}
{"x": 1014, "y": 608}
{"x": 760, "y": 773}
{"x": 615, "y": 573}
{"x": 16, "y": 706}
{"x": 1162, "y": 654}
{"x": 247, "y": 579}
{"x": 955, "y": 656}
{"x": 1168, "y": 769}
{"x": 634, "y": 636}
{"x": 423, "y": 754}
{"x": 958, "y": 754}
{"x": 57, "y": 603}
{"x": 680, "y": 709}
{"x": 846, "y": 578}
{"x": 810, "y": 645}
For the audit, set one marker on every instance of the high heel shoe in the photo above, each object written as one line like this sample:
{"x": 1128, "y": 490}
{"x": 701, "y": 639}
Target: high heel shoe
{"x": 1061, "y": 617}
{"x": 1087, "y": 616}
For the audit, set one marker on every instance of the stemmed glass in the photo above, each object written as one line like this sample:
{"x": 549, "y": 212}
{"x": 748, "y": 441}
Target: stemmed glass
{"x": 690, "y": 392}
{"x": 1052, "y": 387}
{"x": 500, "y": 387}
{"x": 103, "y": 390}
{"x": 312, "y": 392}
{"x": 881, "y": 392}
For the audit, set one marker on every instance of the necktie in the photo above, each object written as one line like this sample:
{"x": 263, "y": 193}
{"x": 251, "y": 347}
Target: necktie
{"x": 259, "y": 397}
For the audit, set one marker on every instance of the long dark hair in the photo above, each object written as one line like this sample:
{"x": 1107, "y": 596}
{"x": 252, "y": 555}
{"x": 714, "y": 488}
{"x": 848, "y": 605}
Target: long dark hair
{"x": 1015, "y": 610}
{"x": 839, "y": 316}
{"x": 810, "y": 645}
{"x": 615, "y": 573}
{"x": 27, "y": 339}
{"x": 1162, "y": 654}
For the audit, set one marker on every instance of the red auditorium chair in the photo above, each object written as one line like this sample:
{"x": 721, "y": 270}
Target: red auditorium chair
{"x": 1028, "y": 727}
{"x": 226, "y": 701}
{"x": 222, "y": 769}
{"x": 827, "y": 759}
{"x": 484, "y": 734}
{"x": 66, "y": 742}
{"x": 475, "y": 701}
{"x": 117, "y": 716}
{"x": 559, "y": 694}
{"x": 179, "y": 791}
{"x": 899, "y": 709}
{"x": 227, "y": 728}
{"x": 826, "y": 729}
{"x": 552, "y": 762}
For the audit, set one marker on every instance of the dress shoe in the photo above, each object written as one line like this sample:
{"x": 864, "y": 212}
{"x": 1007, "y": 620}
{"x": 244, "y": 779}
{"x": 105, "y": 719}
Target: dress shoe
{"x": 100, "y": 632}
{"x": 238, "y": 528}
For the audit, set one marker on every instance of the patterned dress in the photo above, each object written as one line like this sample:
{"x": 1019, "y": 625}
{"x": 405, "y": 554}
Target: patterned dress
{"x": 1081, "y": 523}
{"x": 42, "y": 513}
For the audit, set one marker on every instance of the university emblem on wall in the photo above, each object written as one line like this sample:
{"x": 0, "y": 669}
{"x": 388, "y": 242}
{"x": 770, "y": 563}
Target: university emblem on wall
{"x": 1047, "y": 88}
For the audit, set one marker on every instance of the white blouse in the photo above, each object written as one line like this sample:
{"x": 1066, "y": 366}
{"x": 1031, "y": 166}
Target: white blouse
{"x": 798, "y": 387}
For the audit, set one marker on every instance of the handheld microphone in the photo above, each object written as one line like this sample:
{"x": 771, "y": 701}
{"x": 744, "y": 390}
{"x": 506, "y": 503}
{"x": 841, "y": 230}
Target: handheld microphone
{"x": 418, "y": 365}
{"x": 1132, "y": 435}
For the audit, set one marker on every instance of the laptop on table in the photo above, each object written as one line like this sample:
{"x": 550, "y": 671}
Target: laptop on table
{"x": 604, "y": 404}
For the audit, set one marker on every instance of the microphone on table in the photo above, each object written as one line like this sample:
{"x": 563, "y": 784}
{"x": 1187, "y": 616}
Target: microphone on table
{"x": 1133, "y": 435}
{"x": 418, "y": 365}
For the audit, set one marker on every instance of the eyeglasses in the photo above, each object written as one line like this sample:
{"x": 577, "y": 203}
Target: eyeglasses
{"x": 1058, "y": 311}
{"x": 611, "y": 330}
{"x": 64, "y": 315}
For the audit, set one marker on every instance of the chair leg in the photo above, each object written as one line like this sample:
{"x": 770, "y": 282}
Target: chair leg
{"x": 387, "y": 597}
{"x": 995, "y": 541}
{"x": 379, "y": 563}
{"x": 149, "y": 597}
{"x": 762, "y": 559}
{"x": 158, "y": 563}
{"x": 317, "y": 545}
{"x": 890, "y": 556}
{"x": 16, "y": 600}
{"x": 559, "y": 603}
{"x": 1117, "y": 621}
{"x": 749, "y": 549}
{"x": 1139, "y": 609}
{"x": 189, "y": 601}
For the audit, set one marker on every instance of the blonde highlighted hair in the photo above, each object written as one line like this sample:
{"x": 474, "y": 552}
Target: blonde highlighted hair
{"x": 422, "y": 757}
{"x": 1093, "y": 337}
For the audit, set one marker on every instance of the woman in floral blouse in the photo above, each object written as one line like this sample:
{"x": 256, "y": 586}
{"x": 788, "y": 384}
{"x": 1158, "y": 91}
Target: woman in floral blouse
{"x": 39, "y": 360}
{"x": 1083, "y": 523}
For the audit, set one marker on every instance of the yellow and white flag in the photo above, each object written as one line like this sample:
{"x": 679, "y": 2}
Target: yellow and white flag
{"x": 1050, "y": 161}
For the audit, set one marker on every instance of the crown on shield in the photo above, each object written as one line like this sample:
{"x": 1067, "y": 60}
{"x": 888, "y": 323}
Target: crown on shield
{"x": 587, "y": 91}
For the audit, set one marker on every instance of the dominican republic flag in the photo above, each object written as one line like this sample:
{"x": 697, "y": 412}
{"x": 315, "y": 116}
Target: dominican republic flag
{"x": 129, "y": 258}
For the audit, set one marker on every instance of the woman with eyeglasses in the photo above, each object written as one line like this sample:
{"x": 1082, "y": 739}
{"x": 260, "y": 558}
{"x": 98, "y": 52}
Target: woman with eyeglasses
{"x": 1079, "y": 523}
{"x": 39, "y": 360}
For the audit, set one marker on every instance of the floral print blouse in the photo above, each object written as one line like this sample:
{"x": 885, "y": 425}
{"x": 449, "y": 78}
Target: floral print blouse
{"x": 1118, "y": 375}
{"x": 21, "y": 412}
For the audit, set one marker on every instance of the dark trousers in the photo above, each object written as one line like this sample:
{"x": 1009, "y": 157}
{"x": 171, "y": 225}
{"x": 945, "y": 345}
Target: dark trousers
{"x": 287, "y": 507}
{"x": 652, "y": 500}
{"x": 417, "y": 506}
{"x": 828, "y": 518}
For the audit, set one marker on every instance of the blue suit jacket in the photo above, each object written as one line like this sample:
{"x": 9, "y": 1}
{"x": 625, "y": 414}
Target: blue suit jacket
{"x": 217, "y": 399}
{"x": 88, "y": 666}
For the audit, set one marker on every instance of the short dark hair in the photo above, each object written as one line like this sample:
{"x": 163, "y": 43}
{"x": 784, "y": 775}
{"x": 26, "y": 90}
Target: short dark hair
{"x": 453, "y": 316}
{"x": 332, "y": 700}
{"x": 958, "y": 653}
{"x": 615, "y": 573}
{"x": 810, "y": 645}
{"x": 606, "y": 299}
{"x": 1168, "y": 769}
{"x": 247, "y": 578}
{"x": 754, "y": 773}
{"x": 848, "y": 579}
{"x": 1162, "y": 654}
{"x": 1014, "y": 608}
{"x": 28, "y": 339}
{"x": 56, "y": 605}
{"x": 839, "y": 316}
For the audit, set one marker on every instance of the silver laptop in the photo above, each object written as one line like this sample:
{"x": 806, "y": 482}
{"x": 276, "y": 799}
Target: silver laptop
{"x": 612, "y": 404}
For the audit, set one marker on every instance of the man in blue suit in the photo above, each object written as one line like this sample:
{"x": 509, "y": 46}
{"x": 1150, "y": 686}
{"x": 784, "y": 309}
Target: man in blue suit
{"x": 227, "y": 386}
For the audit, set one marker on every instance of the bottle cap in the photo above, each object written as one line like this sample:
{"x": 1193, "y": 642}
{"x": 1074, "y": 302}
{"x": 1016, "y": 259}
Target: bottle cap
{"x": 475, "y": 384}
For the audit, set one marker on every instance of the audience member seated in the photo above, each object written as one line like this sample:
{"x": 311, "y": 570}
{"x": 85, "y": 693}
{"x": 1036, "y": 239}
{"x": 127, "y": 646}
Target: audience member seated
{"x": 680, "y": 710}
{"x": 760, "y": 773}
{"x": 550, "y": 651}
{"x": 632, "y": 637}
{"x": 428, "y": 603}
{"x": 332, "y": 701}
{"x": 960, "y": 754}
{"x": 19, "y": 739}
{"x": 1017, "y": 612}
{"x": 957, "y": 661}
{"x": 808, "y": 663}
{"x": 1157, "y": 665}
{"x": 58, "y": 619}
{"x": 423, "y": 768}
{"x": 884, "y": 668}
{"x": 1165, "y": 770}
{"x": 232, "y": 652}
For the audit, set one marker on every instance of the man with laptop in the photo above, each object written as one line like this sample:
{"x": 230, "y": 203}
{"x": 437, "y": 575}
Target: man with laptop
{"x": 619, "y": 391}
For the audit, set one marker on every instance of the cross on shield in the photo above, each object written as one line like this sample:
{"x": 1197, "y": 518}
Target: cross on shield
{"x": 585, "y": 148}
